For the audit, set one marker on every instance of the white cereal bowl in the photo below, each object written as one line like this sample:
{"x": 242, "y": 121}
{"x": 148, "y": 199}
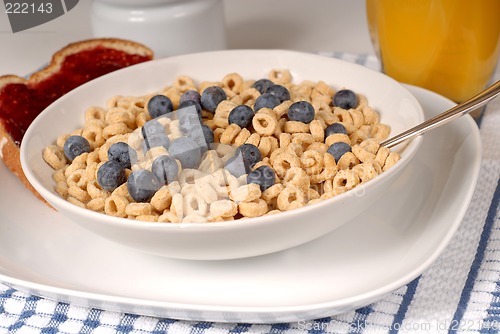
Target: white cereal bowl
{"x": 231, "y": 239}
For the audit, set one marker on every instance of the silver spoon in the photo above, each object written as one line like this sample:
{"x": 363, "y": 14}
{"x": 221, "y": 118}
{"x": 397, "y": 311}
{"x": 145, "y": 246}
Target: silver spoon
{"x": 457, "y": 111}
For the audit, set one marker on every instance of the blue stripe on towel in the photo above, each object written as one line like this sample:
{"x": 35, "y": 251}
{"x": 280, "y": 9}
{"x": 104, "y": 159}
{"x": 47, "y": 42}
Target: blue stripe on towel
{"x": 411, "y": 288}
{"x": 476, "y": 264}
{"x": 360, "y": 319}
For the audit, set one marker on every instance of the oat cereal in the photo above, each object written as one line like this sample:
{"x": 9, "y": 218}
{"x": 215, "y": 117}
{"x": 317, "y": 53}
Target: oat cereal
{"x": 191, "y": 152}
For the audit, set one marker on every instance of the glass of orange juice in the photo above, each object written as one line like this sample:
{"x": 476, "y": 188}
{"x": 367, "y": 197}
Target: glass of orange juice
{"x": 447, "y": 46}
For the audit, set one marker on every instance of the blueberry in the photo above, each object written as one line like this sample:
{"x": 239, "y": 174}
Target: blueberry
{"x": 154, "y": 135}
{"x": 159, "y": 105}
{"x": 142, "y": 185}
{"x": 301, "y": 111}
{"x": 211, "y": 97}
{"x": 266, "y": 100}
{"x": 338, "y": 149}
{"x": 165, "y": 169}
{"x": 263, "y": 176}
{"x": 345, "y": 99}
{"x": 189, "y": 103}
{"x": 250, "y": 154}
{"x": 111, "y": 175}
{"x": 187, "y": 151}
{"x": 280, "y": 92}
{"x": 208, "y": 134}
{"x": 335, "y": 128}
{"x": 262, "y": 85}
{"x": 74, "y": 146}
{"x": 190, "y": 95}
{"x": 122, "y": 153}
{"x": 203, "y": 136}
{"x": 241, "y": 115}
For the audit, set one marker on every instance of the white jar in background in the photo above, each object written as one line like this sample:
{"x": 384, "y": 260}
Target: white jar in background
{"x": 168, "y": 27}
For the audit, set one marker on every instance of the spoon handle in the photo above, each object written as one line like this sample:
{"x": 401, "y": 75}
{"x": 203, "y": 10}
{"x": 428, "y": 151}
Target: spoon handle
{"x": 447, "y": 116}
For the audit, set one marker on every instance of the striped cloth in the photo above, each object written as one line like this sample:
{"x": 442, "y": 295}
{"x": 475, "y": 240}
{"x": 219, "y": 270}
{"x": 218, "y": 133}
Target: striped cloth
{"x": 459, "y": 293}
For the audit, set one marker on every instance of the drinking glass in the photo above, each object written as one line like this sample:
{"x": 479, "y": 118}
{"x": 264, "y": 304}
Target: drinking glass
{"x": 448, "y": 46}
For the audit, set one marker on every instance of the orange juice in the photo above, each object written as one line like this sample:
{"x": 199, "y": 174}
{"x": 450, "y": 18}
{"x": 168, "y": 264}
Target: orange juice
{"x": 448, "y": 46}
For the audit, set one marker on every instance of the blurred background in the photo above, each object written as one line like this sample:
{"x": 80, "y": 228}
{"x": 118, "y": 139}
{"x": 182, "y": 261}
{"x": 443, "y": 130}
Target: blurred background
{"x": 311, "y": 26}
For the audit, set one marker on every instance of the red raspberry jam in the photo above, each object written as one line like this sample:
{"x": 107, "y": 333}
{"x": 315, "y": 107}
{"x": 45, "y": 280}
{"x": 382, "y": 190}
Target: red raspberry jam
{"x": 21, "y": 103}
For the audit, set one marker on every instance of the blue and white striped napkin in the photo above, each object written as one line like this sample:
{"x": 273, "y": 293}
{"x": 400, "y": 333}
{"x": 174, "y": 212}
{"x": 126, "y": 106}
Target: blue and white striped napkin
{"x": 459, "y": 293}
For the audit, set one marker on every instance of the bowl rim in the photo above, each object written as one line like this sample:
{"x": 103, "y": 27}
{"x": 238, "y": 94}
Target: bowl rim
{"x": 409, "y": 152}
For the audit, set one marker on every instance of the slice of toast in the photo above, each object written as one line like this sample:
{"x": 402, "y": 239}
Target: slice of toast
{"x": 21, "y": 100}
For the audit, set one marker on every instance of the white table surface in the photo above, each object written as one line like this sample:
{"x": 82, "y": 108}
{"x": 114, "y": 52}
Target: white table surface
{"x": 312, "y": 26}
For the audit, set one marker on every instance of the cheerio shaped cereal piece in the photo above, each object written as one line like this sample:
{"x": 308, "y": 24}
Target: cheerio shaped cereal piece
{"x": 204, "y": 188}
{"x": 296, "y": 127}
{"x": 246, "y": 193}
{"x": 362, "y": 154}
{"x": 264, "y": 122}
{"x": 347, "y": 161}
{"x": 296, "y": 176}
{"x": 283, "y": 162}
{"x": 194, "y": 204}
{"x": 391, "y": 160}
{"x": 282, "y": 108}
{"x": 367, "y": 170}
{"x": 280, "y": 76}
{"x": 266, "y": 145}
{"x": 337, "y": 137}
{"x": 291, "y": 198}
{"x": 95, "y": 115}
{"x": 284, "y": 140}
{"x": 370, "y": 115}
{"x": 380, "y": 131}
{"x": 371, "y": 145}
{"x": 62, "y": 189}
{"x": 242, "y": 137}
{"x": 360, "y": 135}
{"x": 382, "y": 155}
{"x": 54, "y": 156}
{"x": 346, "y": 178}
{"x": 115, "y": 205}
{"x": 248, "y": 96}
{"x": 95, "y": 191}
{"x": 312, "y": 162}
{"x": 177, "y": 206}
{"x": 183, "y": 83}
{"x": 254, "y": 139}
{"x": 317, "y": 130}
{"x": 222, "y": 113}
{"x": 168, "y": 217}
{"x": 253, "y": 209}
{"x": 211, "y": 162}
{"x": 96, "y": 204}
{"x": 227, "y": 137}
{"x": 120, "y": 115}
{"x": 232, "y": 82}
{"x": 302, "y": 139}
{"x": 270, "y": 194}
{"x": 223, "y": 208}
{"x": 138, "y": 209}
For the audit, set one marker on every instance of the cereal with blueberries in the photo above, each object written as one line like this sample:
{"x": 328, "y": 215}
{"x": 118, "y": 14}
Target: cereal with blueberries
{"x": 217, "y": 151}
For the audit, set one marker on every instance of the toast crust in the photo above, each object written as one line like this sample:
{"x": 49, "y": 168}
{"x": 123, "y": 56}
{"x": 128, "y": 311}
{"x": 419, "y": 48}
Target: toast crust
{"x": 9, "y": 148}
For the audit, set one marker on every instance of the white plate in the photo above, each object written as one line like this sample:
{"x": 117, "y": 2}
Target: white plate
{"x": 383, "y": 249}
